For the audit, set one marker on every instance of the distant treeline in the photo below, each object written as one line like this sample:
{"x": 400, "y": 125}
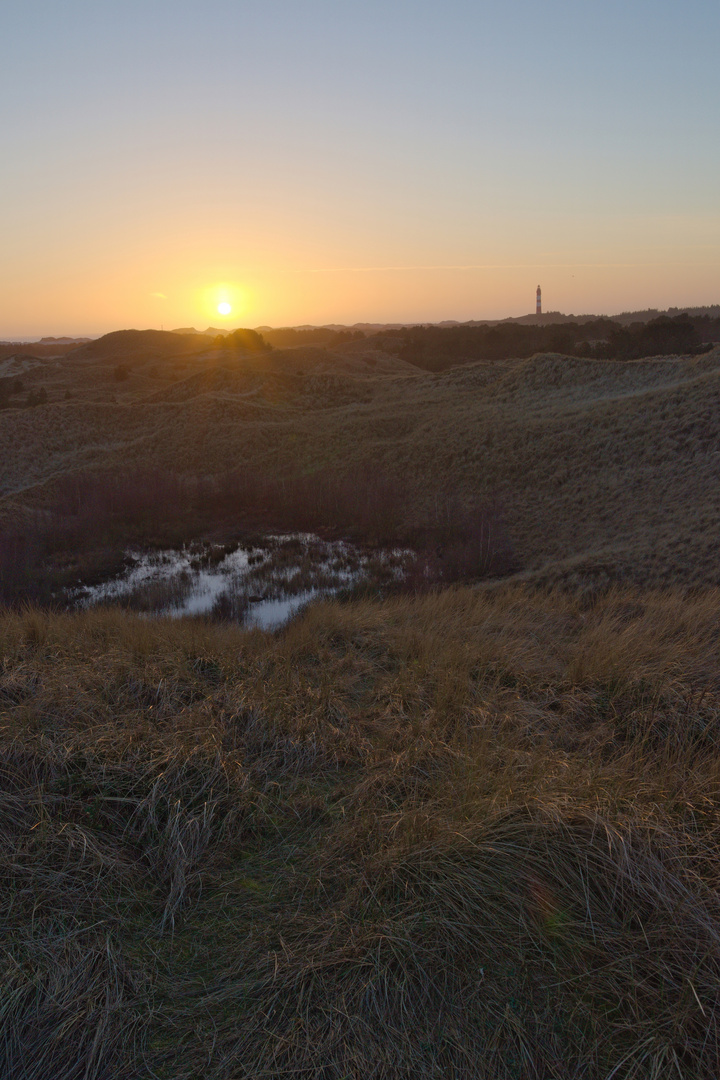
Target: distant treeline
{"x": 625, "y": 318}
{"x": 284, "y": 338}
{"x": 435, "y": 348}
{"x": 287, "y": 337}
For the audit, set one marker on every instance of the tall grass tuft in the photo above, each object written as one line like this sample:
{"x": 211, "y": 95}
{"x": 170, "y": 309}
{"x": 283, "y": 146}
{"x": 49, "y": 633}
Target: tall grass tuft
{"x": 459, "y": 833}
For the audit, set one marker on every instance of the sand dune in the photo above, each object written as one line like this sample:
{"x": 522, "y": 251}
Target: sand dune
{"x": 606, "y": 470}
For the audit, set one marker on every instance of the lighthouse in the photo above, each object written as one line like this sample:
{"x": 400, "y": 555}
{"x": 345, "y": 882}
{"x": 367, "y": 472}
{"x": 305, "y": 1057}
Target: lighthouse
{"x": 538, "y": 302}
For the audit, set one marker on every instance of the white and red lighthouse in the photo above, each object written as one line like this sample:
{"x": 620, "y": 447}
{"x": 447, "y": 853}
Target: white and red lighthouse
{"x": 538, "y": 302}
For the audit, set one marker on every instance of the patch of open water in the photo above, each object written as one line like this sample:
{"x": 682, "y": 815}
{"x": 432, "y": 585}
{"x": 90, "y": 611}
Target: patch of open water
{"x": 260, "y": 585}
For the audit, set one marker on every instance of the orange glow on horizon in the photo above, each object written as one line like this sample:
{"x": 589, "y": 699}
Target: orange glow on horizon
{"x": 144, "y": 190}
{"x": 176, "y": 293}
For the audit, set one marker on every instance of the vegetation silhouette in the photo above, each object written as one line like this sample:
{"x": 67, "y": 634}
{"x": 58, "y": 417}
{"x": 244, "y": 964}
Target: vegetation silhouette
{"x": 435, "y": 348}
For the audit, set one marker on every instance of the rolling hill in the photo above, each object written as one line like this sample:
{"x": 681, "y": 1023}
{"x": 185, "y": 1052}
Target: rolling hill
{"x": 606, "y": 470}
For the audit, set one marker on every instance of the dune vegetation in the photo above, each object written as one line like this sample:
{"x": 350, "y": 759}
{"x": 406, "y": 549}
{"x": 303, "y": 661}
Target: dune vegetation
{"x": 464, "y": 826}
{"x": 469, "y": 833}
{"x": 606, "y": 470}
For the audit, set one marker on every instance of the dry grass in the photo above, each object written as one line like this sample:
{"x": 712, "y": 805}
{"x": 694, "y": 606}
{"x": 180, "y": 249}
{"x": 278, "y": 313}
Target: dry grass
{"x": 462, "y": 834}
{"x": 607, "y": 471}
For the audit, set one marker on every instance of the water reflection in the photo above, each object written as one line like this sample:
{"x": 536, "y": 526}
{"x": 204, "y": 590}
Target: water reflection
{"x": 260, "y": 584}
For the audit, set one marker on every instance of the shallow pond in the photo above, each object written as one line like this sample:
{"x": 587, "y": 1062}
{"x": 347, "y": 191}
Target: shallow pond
{"x": 262, "y": 584}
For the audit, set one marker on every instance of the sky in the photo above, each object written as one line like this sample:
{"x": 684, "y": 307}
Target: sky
{"x": 338, "y": 161}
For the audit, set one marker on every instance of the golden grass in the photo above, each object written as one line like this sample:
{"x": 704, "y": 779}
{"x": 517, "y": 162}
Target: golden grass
{"x": 607, "y": 471}
{"x": 472, "y": 833}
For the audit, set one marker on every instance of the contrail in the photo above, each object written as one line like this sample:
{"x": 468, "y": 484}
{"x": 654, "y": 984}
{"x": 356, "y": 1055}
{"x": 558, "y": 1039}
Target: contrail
{"x": 480, "y": 266}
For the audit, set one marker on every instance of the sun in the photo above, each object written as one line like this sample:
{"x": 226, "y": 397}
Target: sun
{"x": 224, "y": 308}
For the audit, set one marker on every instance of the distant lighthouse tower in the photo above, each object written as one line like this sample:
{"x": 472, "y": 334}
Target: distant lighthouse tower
{"x": 538, "y": 302}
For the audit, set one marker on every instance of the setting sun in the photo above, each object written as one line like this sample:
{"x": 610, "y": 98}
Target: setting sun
{"x": 224, "y": 308}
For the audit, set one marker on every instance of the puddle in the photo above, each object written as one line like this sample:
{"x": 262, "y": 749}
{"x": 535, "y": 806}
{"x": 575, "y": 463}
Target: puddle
{"x": 262, "y": 585}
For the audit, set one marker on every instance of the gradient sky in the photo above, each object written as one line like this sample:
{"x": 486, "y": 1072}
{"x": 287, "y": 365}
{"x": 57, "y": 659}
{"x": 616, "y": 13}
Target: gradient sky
{"x": 334, "y": 161}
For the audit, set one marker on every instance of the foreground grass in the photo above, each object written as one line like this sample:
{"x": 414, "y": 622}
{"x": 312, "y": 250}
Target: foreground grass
{"x": 462, "y": 835}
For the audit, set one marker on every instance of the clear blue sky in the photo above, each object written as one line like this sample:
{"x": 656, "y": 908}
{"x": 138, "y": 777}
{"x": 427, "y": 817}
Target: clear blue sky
{"x": 334, "y": 161}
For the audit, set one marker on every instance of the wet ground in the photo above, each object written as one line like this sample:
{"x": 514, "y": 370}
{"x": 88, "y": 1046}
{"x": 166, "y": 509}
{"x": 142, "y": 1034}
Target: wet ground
{"x": 261, "y": 583}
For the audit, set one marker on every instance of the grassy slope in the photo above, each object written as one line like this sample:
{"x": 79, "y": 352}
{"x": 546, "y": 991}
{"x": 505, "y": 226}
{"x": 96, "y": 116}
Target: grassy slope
{"x": 467, "y": 834}
{"x": 607, "y": 470}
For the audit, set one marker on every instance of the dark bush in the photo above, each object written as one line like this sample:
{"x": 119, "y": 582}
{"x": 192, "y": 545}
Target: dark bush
{"x": 36, "y": 397}
{"x": 9, "y": 386}
{"x": 243, "y": 341}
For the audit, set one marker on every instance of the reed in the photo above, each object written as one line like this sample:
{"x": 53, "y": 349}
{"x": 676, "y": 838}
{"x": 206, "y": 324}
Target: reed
{"x": 83, "y": 535}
